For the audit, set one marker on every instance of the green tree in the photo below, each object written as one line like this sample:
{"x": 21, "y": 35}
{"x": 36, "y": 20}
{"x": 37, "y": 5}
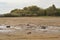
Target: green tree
{"x": 51, "y": 10}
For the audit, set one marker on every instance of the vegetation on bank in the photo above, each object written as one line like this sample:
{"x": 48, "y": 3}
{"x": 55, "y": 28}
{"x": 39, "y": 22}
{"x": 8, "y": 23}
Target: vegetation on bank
{"x": 33, "y": 11}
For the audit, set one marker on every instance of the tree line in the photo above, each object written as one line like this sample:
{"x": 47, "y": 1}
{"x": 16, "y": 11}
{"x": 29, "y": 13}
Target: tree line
{"x": 34, "y": 11}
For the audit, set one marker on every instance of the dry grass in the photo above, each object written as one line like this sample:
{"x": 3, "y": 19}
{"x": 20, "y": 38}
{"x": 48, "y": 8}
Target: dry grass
{"x": 30, "y": 37}
{"x": 55, "y": 21}
{"x": 36, "y": 20}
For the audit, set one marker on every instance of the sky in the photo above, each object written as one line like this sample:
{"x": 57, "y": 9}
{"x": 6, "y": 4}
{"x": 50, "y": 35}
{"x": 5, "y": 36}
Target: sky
{"x": 7, "y": 5}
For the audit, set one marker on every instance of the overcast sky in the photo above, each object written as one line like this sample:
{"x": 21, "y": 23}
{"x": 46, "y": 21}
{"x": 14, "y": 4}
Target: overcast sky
{"x": 7, "y": 5}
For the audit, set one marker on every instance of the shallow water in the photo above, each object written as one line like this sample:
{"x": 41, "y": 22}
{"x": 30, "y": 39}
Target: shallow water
{"x": 34, "y": 28}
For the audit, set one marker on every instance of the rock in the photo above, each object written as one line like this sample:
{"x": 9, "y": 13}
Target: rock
{"x": 43, "y": 27}
{"x": 29, "y": 33}
{"x": 8, "y": 26}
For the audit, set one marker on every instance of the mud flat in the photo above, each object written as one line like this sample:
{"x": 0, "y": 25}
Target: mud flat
{"x": 43, "y": 28}
{"x": 29, "y": 32}
{"x": 54, "y": 21}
